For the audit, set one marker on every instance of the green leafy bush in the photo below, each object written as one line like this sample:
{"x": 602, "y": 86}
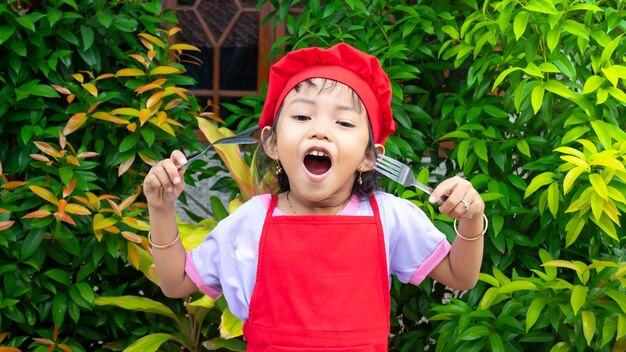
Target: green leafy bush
{"x": 91, "y": 94}
{"x": 526, "y": 100}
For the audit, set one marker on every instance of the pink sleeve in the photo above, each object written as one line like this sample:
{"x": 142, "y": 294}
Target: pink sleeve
{"x": 193, "y": 274}
{"x": 430, "y": 263}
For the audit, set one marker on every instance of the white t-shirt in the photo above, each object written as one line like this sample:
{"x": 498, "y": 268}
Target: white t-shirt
{"x": 226, "y": 261}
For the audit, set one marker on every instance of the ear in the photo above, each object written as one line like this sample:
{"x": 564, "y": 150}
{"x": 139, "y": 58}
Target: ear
{"x": 269, "y": 142}
{"x": 369, "y": 159}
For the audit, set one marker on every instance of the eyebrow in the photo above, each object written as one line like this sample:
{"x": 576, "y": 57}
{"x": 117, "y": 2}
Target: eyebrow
{"x": 312, "y": 102}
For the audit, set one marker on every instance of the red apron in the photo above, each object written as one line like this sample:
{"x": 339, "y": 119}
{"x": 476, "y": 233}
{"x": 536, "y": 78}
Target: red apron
{"x": 321, "y": 285}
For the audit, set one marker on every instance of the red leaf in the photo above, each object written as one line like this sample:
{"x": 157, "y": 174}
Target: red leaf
{"x": 5, "y": 224}
{"x": 37, "y": 214}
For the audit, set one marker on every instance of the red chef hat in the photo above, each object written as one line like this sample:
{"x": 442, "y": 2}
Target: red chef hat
{"x": 341, "y": 63}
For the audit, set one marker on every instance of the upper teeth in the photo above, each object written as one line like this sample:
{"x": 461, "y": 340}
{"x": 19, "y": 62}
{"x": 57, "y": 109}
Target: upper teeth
{"x": 317, "y": 153}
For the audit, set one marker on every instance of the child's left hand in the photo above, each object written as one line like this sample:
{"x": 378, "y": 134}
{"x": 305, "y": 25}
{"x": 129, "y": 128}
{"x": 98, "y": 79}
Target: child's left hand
{"x": 463, "y": 201}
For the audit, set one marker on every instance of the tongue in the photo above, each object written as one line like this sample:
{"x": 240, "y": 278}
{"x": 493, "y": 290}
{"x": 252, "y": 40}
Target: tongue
{"x": 317, "y": 166}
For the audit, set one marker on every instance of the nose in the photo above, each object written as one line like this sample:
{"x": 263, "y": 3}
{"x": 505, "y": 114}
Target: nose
{"x": 320, "y": 130}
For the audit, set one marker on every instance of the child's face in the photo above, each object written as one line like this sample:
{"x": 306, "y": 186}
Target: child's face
{"x": 322, "y": 140}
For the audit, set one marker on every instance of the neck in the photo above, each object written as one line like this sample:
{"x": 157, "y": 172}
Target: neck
{"x": 297, "y": 208}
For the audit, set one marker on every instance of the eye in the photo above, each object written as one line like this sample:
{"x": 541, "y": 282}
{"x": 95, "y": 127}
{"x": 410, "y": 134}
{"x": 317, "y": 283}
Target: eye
{"x": 301, "y": 117}
{"x": 345, "y": 123}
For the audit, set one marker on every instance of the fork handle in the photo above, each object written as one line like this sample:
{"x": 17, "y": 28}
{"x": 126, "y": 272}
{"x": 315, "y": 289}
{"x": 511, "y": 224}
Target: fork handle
{"x": 429, "y": 190}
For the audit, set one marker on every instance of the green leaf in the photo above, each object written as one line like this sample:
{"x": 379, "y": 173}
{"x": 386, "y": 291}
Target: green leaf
{"x": 228, "y": 344}
{"x": 598, "y": 184}
{"x": 607, "y": 52}
{"x": 523, "y": 147}
{"x": 538, "y": 182}
{"x": 135, "y": 303}
{"x": 618, "y": 297}
{"x": 26, "y": 22}
{"x": 129, "y": 142}
{"x": 87, "y": 35}
{"x": 480, "y": 148}
{"x": 6, "y": 32}
{"x": 553, "y": 37}
{"x": 560, "y": 347}
{"x": 553, "y": 198}
{"x": 496, "y": 343}
{"x": 474, "y": 333}
{"x": 609, "y": 327}
{"x": 42, "y": 90}
{"x": 541, "y": 6}
{"x": 602, "y": 130}
{"x": 503, "y": 75}
{"x": 589, "y": 326}
{"x": 592, "y": 84}
{"x": 575, "y": 28}
{"x": 534, "y": 311}
{"x": 149, "y": 343}
{"x": 520, "y": 285}
{"x": 230, "y": 326}
{"x": 59, "y": 276}
{"x": 579, "y": 297}
{"x": 519, "y": 24}
{"x": 59, "y": 308}
{"x": 558, "y": 88}
{"x": 537, "y": 98}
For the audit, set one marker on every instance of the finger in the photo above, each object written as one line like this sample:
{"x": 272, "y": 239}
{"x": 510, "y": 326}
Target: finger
{"x": 171, "y": 169}
{"x": 162, "y": 175}
{"x": 179, "y": 159}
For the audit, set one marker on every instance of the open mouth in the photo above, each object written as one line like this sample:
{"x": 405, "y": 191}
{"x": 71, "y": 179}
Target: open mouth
{"x": 317, "y": 162}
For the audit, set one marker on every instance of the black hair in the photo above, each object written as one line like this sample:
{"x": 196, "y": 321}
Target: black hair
{"x": 363, "y": 189}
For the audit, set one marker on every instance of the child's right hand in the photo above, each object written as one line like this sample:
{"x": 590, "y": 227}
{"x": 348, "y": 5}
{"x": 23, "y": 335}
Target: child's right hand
{"x": 165, "y": 182}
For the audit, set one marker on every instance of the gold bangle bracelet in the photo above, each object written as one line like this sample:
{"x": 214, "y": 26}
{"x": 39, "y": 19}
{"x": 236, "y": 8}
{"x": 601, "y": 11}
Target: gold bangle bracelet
{"x": 472, "y": 238}
{"x": 154, "y": 245}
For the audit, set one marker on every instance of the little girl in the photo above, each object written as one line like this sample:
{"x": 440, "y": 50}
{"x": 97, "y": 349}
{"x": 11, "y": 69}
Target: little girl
{"x": 309, "y": 269}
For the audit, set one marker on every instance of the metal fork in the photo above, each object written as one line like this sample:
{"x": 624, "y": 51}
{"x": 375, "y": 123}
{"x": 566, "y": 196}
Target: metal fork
{"x": 239, "y": 138}
{"x": 401, "y": 173}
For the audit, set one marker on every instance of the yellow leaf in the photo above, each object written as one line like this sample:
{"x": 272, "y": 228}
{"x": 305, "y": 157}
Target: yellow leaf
{"x": 181, "y": 46}
{"x": 75, "y": 122}
{"x": 130, "y": 72}
{"x": 104, "y": 76}
{"x": 100, "y": 222}
{"x": 72, "y": 160}
{"x": 64, "y": 217}
{"x": 48, "y": 149}
{"x": 174, "y": 122}
{"x": 105, "y": 116}
{"x": 144, "y": 115}
{"x": 133, "y": 256}
{"x": 131, "y": 127}
{"x": 146, "y": 87}
{"x": 599, "y": 185}
{"x": 155, "y": 98}
{"x": 78, "y": 77}
{"x": 165, "y": 70}
{"x": 173, "y": 31}
{"x": 13, "y": 184}
{"x": 230, "y": 325}
{"x": 126, "y": 111}
{"x": 136, "y": 224}
{"x": 161, "y": 117}
{"x": 139, "y": 58}
{"x": 571, "y": 177}
{"x": 152, "y": 39}
{"x": 164, "y": 126}
{"x": 176, "y": 90}
{"x": 589, "y": 325}
{"x": 611, "y": 211}
{"x": 131, "y": 236}
{"x": 115, "y": 207}
{"x": 91, "y": 88}
{"x": 93, "y": 107}
{"x": 74, "y": 208}
{"x": 172, "y": 104}
{"x": 125, "y": 165}
{"x": 147, "y": 159}
{"x": 45, "y": 194}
